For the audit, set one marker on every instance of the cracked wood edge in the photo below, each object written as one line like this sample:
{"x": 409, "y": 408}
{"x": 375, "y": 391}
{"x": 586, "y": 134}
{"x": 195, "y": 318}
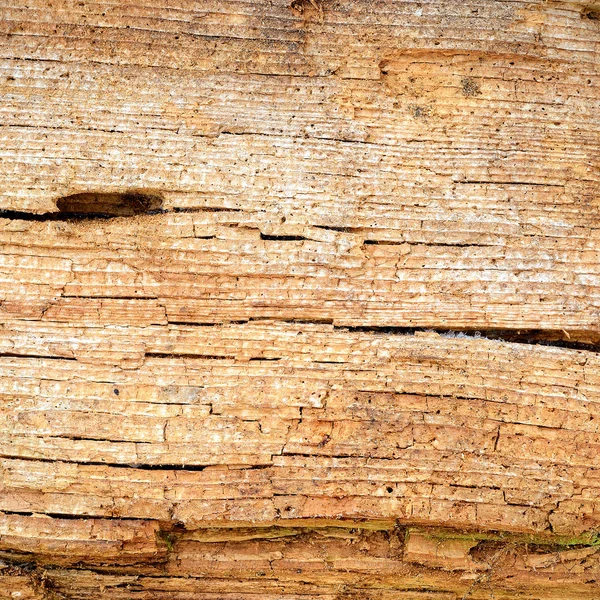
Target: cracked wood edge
{"x": 131, "y": 429}
{"x": 327, "y": 564}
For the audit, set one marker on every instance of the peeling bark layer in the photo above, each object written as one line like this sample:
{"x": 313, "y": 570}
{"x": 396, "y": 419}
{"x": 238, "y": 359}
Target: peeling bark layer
{"x": 299, "y": 299}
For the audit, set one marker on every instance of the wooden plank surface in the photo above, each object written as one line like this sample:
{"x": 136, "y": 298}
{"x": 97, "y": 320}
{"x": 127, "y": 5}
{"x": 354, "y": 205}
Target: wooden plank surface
{"x": 467, "y": 135}
{"x": 323, "y": 423}
{"x": 347, "y": 347}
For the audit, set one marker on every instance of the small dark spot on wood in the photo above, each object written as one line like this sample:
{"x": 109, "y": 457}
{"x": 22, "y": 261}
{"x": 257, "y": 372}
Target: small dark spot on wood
{"x": 470, "y": 87}
{"x": 326, "y": 439}
{"x": 420, "y": 112}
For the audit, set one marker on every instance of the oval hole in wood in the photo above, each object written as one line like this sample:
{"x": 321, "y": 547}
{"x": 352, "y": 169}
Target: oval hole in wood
{"x": 109, "y": 205}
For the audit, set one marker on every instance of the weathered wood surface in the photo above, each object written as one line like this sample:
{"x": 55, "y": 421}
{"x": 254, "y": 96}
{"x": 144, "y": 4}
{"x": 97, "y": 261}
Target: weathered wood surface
{"x": 328, "y": 564}
{"x": 467, "y": 133}
{"x": 339, "y": 424}
{"x": 230, "y": 395}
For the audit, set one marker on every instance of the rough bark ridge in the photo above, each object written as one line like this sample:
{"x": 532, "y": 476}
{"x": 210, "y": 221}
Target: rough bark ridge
{"x": 300, "y": 299}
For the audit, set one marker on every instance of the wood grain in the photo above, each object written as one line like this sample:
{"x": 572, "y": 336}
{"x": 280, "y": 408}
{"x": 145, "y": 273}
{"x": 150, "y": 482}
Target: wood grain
{"x": 299, "y": 299}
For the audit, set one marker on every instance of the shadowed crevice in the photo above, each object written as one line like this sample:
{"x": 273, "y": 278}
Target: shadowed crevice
{"x": 94, "y": 205}
{"x": 109, "y": 205}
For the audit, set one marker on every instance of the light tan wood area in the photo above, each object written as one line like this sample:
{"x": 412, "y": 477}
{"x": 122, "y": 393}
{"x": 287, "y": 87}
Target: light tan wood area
{"x": 299, "y": 299}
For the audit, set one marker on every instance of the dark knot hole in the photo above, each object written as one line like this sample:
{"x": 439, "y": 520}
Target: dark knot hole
{"x": 108, "y": 205}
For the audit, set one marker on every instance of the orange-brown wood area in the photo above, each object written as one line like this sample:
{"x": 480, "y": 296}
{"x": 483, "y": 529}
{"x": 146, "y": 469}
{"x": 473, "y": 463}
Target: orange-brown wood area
{"x": 300, "y": 299}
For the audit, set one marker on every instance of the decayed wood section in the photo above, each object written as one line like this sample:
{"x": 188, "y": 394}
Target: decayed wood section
{"x": 300, "y": 299}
